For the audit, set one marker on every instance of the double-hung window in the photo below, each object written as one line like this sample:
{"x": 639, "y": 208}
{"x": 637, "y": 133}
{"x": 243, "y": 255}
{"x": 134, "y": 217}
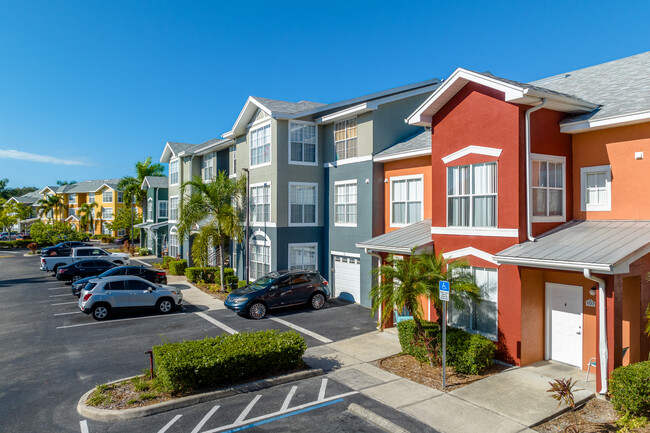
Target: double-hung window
{"x": 596, "y": 188}
{"x": 173, "y": 208}
{"x": 72, "y": 212}
{"x": 406, "y": 200}
{"x": 106, "y": 230}
{"x": 107, "y": 196}
{"x": 260, "y": 145}
{"x": 472, "y": 195}
{"x": 72, "y": 198}
{"x": 302, "y": 203}
{"x": 149, "y": 210}
{"x": 260, "y": 202}
{"x": 303, "y": 256}
{"x": 173, "y": 172}
{"x": 345, "y": 203}
{"x": 173, "y": 245}
{"x": 345, "y": 139}
{"x": 302, "y": 143}
{"x": 207, "y": 167}
{"x": 120, "y": 197}
{"x": 260, "y": 252}
{"x": 232, "y": 152}
{"x": 162, "y": 209}
{"x": 479, "y": 317}
{"x": 107, "y": 213}
{"x": 548, "y": 187}
{"x": 91, "y": 197}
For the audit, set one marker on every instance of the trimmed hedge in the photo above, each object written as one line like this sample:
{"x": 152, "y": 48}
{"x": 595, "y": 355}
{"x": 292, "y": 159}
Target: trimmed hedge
{"x": 166, "y": 260}
{"x": 107, "y": 239}
{"x": 177, "y": 267}
{"x": 208, "y": 275}
{"x": 629, "y": 388}
{"x": 468, "y": 353}
{"x": 16, "y": 244}
{"x": 212, "y": 362}
{"x": 144, "y": 251}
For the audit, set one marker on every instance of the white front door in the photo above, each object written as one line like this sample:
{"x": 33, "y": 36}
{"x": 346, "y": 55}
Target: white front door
{"x": 347, "y": 278}
{"x": 564, "y": 323}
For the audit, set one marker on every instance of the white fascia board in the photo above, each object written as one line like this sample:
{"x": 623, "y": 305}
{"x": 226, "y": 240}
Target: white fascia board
{"x": 568, "y": 103}
{"x": 244, "y": 115}
{"x": 476, "y": 231}
{"x": 469, "y": 251}
{"x": 167, "y": 153}
{"x": 609, "y": 122}
{"x": 402, "y": 155}
{"x": 348, "y": 112}
{"x": 347, "y": 161}
{"x": 214, "y": 147}
{"x": 602, "y": 268}
{"x": 478, "y": 150}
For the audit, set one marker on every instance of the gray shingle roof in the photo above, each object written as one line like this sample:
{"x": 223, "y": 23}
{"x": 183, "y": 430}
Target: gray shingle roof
{"x": 401, "y": 240}
{"x": 621, "y": 86}
{"x": 601, "y": 244}
{"x": 181, "y": 147}
{"x": 421, "y": 140}
{"x": 92, "y": 185}
{"x": 285, "y": 107}
{"x": 157, "y": 181}
{"x": 29, "y": 198}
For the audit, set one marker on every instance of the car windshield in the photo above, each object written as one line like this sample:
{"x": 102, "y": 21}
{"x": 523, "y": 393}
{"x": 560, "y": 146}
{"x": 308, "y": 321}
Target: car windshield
{"x": 263, "y": 282}
{"x": 107, "y": 273}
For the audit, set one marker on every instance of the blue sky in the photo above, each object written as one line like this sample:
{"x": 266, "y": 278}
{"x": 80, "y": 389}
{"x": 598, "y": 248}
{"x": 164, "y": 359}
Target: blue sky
{"x": 87, "y": 88}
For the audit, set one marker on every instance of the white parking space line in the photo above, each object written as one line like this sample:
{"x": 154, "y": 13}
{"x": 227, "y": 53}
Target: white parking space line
{"x": 67, "y": 314}
{"x": 58, "y": 296}
{"x": 217, "y": 323}
{"x": 115, "y": 321}
{"x": 140, "y": 261}
{"x": 66, "y": 303}
{"x": 244, "y": 414}
{"x": 301, "y": 329}
{"x": 321, "y": 393}
{"x": 57, "y": 288}
{"x": 287, "y": 400}
{"x": 169, "y": 424}
{"x": 205, "y": 419}
{"x": 84, "y": 426}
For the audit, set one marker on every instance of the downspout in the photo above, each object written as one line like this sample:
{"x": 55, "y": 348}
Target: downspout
{"x": 380, "y": 324}
{"x": 602, "y": 329}
{"x": 529, "y": 201}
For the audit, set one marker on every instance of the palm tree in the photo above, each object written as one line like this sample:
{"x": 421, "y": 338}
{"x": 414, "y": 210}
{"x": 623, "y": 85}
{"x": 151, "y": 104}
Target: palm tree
{"x": 87, "y": 219}
{"x": 130, "y": 186}
{"x": 215, "y": 206}
{"x": 51, "y": 203}
{"x": 404, "y": 281}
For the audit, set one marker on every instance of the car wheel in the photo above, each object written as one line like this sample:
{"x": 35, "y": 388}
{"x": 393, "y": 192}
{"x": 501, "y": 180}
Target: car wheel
{"x": 164, "y": 306}
{"x": 76, "y": 278}
{"x": 257, "y": 311}
{"x": 317, "y": 301}
{"x": 100, "y": 312}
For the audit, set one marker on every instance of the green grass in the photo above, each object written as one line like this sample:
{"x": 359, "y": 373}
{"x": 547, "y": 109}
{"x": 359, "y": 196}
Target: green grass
{"x": 99, "y": 396}
{"x": 148, "y": 396}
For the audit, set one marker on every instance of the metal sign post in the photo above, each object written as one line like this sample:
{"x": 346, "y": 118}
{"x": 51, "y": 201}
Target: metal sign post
{"x": 443, "y": 294}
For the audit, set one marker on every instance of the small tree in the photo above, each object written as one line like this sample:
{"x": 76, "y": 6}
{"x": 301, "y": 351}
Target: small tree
{"x": 123, "y": 220}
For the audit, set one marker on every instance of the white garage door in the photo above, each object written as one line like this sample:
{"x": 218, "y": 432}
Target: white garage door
{"x": 347, "y": 281}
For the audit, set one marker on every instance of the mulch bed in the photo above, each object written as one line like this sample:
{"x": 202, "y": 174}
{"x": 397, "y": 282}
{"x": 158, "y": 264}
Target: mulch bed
{"x": 212, "y": 289}
{"x": 410, "y": 368}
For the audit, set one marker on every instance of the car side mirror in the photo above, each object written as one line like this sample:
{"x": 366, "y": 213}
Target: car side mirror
{"x": 150, "y": 289}
{"x": 274, "y": 287}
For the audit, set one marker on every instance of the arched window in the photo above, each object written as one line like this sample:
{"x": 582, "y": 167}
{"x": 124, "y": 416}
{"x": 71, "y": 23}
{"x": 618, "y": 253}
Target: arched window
{"x": 260, "y": 251}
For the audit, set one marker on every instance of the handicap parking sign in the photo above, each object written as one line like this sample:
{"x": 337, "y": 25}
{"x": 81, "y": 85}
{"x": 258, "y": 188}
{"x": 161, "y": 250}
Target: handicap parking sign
{"x": 443, "y": 290}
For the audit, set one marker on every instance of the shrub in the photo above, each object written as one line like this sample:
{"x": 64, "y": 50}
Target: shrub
{"x": 144, "y": 251}
{"x": 193, "y": 274}
{"x": 177, "y": 267}
{"x": 241, "y": 283}
{"x": 105, "y": 239}
{"x": 166, "y": 260}
{"x": 33, "y": 246}
{"x": 226, "y": 359}
{"x": 411, "y": 342}
{"x": 206, "y": 275}
{"x": 629, "y": 388}
{"x": 16, "y": 244}
{"x": 7, "y": 244}
{"x": 232, "y": 280}
{"x": 475, "y": 356}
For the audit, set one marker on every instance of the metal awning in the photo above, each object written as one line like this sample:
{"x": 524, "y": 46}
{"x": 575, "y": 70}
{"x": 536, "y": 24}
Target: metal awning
{"x": 401, "y": 241}
{"x": 601, "y": 246}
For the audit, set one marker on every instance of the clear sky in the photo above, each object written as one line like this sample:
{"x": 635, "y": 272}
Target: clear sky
{"x": 87, "y": 88}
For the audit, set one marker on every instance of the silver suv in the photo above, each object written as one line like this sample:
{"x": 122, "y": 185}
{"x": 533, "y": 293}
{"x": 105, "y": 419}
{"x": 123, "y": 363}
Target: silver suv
{"x": 103, "y": 295}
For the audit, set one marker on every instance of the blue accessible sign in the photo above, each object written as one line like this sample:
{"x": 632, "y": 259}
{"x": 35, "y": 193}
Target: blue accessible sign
{"x": 443, "y": 290}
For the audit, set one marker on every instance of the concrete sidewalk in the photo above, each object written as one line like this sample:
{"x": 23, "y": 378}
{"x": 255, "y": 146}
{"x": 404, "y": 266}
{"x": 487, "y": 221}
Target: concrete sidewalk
{"x": 511, "y": 401}
{"x": 193, "y": 295}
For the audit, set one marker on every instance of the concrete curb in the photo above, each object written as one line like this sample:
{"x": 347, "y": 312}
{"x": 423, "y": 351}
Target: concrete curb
{"x": 375, "y": 419}
{"x": 139, "y": 412}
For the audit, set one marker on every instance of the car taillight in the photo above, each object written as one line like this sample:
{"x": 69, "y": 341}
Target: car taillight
{"x": 62, "y": 271}
{"x": 87, "y": 296}
{"x": 161, "y": 274}
{"x": 325, "y": 282}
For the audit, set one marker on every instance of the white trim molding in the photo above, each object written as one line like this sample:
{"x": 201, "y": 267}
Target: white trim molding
{"x": 406, "y": 178}
{"x": 601, "y": 268}
{"x": 343, "y": 114}
{"x": 477, "y": 150}
{"x": 307, "y": 163}
{"x": 356, "y": 204}
{"x": 476, "y": 231}
{"x": 584, "y": 171}
{"x": 347, "y": 161}
{"x": 403, "y": 155}
{"x": 556, "y": 159}
{"x": 302, "y": 244}
{"x": 608, "y": 122}
{"x": 316, "y": 199}
{"x": 469, "y": 251}
{"x": 344, "y": 254}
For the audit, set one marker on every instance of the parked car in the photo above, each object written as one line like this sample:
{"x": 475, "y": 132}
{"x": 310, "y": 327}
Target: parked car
{"x": 156, "y": 276}
{"x": 83, "y": 269}
{"x": 23, "y": 237}
{"x": 52, "y": 263}
{"x": 279, "y": 289}
{"x": 6, "y": 236}
{"x": 125, "y": 238}
{"x": 63, "y": 248}
{"x": 102, "y": 296}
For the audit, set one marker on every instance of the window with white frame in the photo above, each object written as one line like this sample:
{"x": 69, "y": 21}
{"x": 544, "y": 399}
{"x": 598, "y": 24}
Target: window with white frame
{"x": 107, "y": 196}
{"x": 596, "y": 188}
{"x": 345, "y": 203}
{"x": 120, "y": 197}
{"x": 72, "y": 212}
{"x": 303, "y": 256}
{"x": 233, "y": 160}
{"x": 302, "y": 203}
{"x": 91, "y": 197}
{"x": 479, "y": 317}
{"x": 207, "y": 171}
{"x": 406, "y": 200}
{"x": 548, "y": 186}
{"x": 173, "y": 172}
{"x": 472, "y": 195}
{"x": 260, "y": 145}
{"x": 107, "y": 213}
{"x": 302, "y": 143}
{"x": 72, "y": 198}
{"x": 345, "y": 139}
{"x": 92, "y": 212}
{"x": 150, "y": 210}
{"x": 106, "y": 230}
{"x": 173, "y": 208}
{"x": 260, "y": 260}
{"x": 260, "y": 202}
{"x": 162, "y": 209}
{"x": 173, "y": 250}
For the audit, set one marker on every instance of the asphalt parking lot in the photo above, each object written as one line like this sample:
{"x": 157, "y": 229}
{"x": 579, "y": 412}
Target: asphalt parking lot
{"x": 52, "y": 354}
